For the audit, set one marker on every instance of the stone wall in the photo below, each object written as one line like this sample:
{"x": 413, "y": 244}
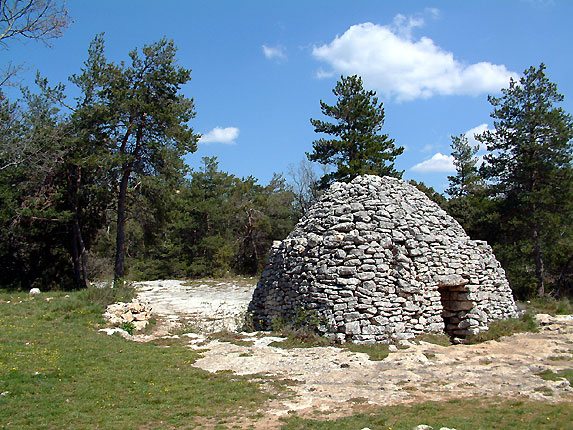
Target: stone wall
{"x": 375, "y": 260}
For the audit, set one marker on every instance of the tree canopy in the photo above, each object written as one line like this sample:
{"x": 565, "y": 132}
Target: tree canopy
{"x": 357, "y": 147}
{"x": 467, "y": 177}
{"x": 529, "y": 168}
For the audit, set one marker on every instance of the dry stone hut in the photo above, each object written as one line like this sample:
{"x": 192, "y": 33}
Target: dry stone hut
{"x": 376, "y": 260}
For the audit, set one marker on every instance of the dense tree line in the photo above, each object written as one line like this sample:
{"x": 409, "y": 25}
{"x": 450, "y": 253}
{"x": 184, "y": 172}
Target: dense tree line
{"x": 97, "y": 188}
{"x": 100, "y": 183}
{"x": 216, "y": 224}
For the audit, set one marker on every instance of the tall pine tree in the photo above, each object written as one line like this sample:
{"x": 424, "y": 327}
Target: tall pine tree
{"x": 357, "y": 147}
{"x": 529, "y": 165}
{"x": 465, "y": 161}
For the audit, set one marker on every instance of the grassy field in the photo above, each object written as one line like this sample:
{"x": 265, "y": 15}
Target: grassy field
{"x": 469, "y": 414}
{"x": 58, "y": 372}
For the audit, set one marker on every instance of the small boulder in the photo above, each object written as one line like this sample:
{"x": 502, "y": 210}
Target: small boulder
{"x": 34, "y": 291}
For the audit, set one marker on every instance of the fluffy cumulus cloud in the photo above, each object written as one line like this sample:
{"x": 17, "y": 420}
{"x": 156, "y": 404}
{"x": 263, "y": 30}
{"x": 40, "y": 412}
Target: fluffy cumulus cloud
{"x": 274, "y": 52}
{"x": 395, "y": 63}
{"x": 225, "y": 135}
{"x": 470, "y": 134}
{"x": 438, "y": 163}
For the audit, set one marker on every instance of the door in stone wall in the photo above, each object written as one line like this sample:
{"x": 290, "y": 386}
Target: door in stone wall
{"x": 456, "y": 305}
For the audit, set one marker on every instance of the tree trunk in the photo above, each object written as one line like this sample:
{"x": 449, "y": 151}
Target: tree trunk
{"x": 79, "y": 253}
{"x": 78, "y": 247}
{"x": 119, "y": 269}
{"x": 539, "y": 265}
{"x": 562, "y": 275}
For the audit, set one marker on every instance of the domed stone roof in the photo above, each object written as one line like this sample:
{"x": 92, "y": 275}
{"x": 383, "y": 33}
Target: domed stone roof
{"x": 375, "y": 260}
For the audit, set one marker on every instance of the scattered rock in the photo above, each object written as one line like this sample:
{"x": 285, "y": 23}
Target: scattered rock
{"x": 110, "y": 331}
{"x": 136, "y": 312}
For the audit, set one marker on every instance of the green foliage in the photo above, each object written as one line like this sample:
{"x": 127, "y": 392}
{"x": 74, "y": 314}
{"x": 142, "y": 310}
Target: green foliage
{"x": 467, "y": 178}
{"x": 35, "y": 214}
{"x": 500, "y": 328}
{"x": 215, "y": 224}
{"x": 106, "y": 294}
{"x": 530, "y": 173}
{"x": 301, "y": 330}
{"x": 549, "y": 305}
{"x": 143, "y": 118}
{"x": 432, "y": 194}
{"x": 128, "y": 327}
{"x": 356, "y": 148}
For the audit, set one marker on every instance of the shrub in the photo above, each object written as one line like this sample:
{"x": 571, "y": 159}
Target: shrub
{"x": 500, "y": 328}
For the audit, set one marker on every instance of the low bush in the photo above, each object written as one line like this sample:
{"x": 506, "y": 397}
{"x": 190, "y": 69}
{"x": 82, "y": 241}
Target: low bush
{"x": 500, "y": 328}
{"x": 548, "y": 305}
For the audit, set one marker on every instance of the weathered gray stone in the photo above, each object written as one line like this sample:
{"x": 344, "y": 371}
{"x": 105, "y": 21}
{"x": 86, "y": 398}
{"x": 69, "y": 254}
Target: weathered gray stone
{"x": 377, "y": 260}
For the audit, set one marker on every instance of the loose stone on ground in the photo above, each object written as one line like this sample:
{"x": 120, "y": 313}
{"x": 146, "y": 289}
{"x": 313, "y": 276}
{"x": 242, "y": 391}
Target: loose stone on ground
{"x": 328, "y": 377}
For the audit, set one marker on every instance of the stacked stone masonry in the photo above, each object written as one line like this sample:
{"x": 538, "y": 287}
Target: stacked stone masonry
{"x": 377, "y": 261}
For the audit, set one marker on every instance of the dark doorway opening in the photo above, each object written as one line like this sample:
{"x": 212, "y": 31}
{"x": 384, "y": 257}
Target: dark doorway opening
{"x": 455, "y": 306}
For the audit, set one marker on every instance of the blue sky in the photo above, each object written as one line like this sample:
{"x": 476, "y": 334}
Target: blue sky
{"x": 260, "y": 68}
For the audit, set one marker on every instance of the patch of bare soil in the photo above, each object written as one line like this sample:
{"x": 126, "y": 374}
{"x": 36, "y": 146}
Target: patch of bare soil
{"x": 331, "y": 378}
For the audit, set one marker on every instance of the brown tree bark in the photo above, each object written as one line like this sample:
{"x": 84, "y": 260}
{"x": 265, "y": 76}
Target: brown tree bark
{"x": 119, "y": 268}
{"x": 79, "y": 257}
{"x": 127, "y": 168}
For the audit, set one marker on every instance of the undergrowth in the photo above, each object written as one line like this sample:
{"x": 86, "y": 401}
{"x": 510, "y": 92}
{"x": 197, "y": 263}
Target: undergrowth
{"x": 548, "y": 305}
{"x": 501, "y": 328}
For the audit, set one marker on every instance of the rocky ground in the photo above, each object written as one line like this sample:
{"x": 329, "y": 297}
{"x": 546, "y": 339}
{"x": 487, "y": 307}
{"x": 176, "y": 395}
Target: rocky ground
{"x": 326, "y": 378}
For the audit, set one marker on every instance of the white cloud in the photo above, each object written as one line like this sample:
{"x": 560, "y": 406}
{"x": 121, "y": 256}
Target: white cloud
{"x": 477, "y": 130}
{"x": 428, "y": 147}
{"x": 396, "y": 64}
{"x": 438, "y": 163}
{"x": 225, "y": 135}
{"x": 321, "y": 74}
{"x": 277, "y": 52}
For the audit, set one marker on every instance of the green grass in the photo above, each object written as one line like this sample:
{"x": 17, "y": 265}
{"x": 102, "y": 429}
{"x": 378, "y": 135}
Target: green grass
{"x": 299, "y": 337}
{"x": 475, "y": 414}
{"x": 231, "y": 337}
{"x": 437, "y": 339}
{"x": 548, "y": 305}
{"x": 57, "y": 371}
{"x": 375, "y": 351}
{"x": 500, "y": 328}
{"x": 549, "y": 375}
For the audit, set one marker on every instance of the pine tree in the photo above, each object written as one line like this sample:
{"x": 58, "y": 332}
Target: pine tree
{"x": 356, "y": 148}
{"x": 144, "y": 118}
{"x": 465, "y": 161}
{"x": 529, "y": 165}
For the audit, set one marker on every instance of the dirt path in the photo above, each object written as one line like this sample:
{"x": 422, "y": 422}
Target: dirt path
{"x": 328, "y": 377}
